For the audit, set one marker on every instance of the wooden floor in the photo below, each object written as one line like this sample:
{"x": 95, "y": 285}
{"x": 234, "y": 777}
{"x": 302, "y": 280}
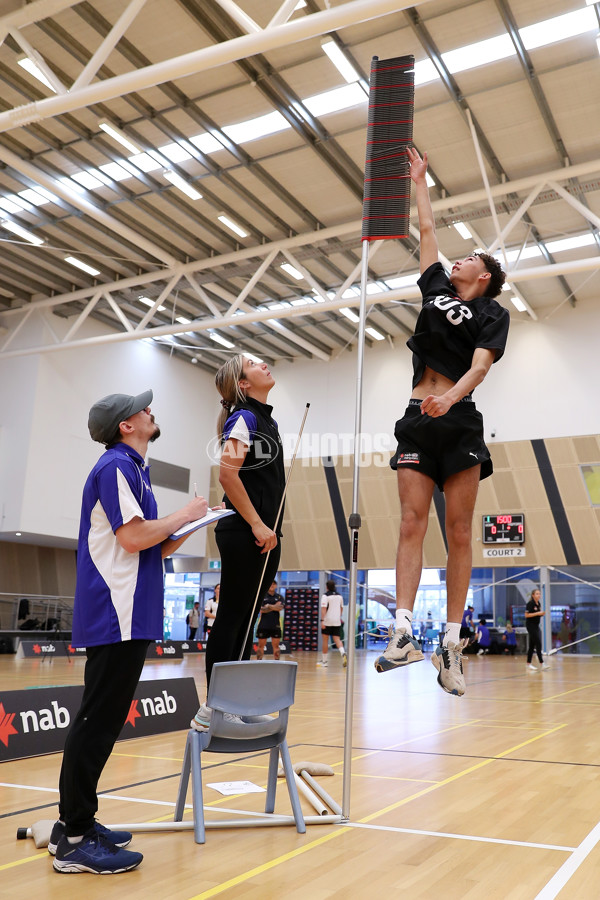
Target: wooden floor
{"x": 493, "y": 795}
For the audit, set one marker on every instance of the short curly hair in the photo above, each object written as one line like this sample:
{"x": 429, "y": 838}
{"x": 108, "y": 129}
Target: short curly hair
{"x": 496, "y": 271}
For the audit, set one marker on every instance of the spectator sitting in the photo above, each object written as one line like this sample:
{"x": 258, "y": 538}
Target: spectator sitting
{"x": 483, "y": 638}
{"x": 510, "y": 639}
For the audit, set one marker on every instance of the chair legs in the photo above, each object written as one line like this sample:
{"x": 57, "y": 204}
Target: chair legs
{"x": 183, "y": 783}
{"x": 272, "y": 780}
{"x": 292, "y": 789}
{"x": 192, "y": 764}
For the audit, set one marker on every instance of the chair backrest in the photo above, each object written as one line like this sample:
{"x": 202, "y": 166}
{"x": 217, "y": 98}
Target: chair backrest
{"x": 249, "y": 688}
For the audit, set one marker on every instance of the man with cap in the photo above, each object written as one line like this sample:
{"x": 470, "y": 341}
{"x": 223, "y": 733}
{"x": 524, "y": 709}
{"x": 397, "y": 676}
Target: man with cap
{"x": 118, "y": 611}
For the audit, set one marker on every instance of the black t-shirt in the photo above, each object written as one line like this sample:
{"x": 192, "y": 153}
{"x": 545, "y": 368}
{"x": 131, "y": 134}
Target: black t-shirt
{"x": 270, "y": 620}
{"x": 533, "y": 623}
{"x": 449, "y": 329}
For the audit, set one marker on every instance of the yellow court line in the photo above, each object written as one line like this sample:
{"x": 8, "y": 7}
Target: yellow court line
{"x": 246, "y": 876}
{"x": 573, "y": 691}
{"x": 178, "y": 759}
{"x": 396, "y": 778}
{"x": 26, "y": 859}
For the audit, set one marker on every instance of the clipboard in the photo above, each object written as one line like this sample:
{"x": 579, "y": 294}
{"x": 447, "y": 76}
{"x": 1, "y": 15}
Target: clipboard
{"x": 213, "y": 515}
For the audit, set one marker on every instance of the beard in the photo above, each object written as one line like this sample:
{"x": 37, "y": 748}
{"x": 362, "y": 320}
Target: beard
{"x": 156, "y": 434}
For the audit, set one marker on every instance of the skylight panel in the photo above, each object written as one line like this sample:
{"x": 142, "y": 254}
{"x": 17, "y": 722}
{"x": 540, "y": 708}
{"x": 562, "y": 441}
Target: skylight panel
{"x": 34, "y": 197}
{"x": 174, "y": 152}
{"x": 23, "y": 233}
{"x": 206, "y": 143}
{"x": 559, "y": 28}
{"x": 527, "y": 253}
{"x": 145, "y": 162}
{"x": 87, "y": 180}
{"x": 425, "y": 71}
{"x": 402, "y": 281}
{"x": 335, "y": 100}
{"x": 571, "y": 243}
{"x": 479, "y": 54}
{"x": 115, "y": 171}
{"x": 252, "y": 129}
{"x": 10, "y": 205}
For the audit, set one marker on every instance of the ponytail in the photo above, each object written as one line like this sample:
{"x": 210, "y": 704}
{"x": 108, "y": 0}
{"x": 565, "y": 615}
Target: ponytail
{"x": 227, "y": 381}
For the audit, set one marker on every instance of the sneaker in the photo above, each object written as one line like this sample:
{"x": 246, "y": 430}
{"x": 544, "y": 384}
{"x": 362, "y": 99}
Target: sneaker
{"x": 546, "y": 665}
{"x": 94, "y": 853}
{"x": 322, "y": 664}
{"x": 118, "y": 838}
{"x": 448, "y": 662}
{"x": 531, "y": 668}
{"x": 344, "y": 660}
{"x": 201, "y": 721}
{"x": 480, "y": 653}
{"x": 401, "y": 650}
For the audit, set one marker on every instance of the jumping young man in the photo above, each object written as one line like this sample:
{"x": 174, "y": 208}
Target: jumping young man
{"x": 460, "y": 332}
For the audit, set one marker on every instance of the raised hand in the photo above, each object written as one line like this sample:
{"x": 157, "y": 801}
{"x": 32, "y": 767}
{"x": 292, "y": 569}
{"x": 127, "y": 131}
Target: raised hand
{"x": 418, "y": 166}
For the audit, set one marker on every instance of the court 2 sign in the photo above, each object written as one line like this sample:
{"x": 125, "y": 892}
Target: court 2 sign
{"x": 503, "y": 552}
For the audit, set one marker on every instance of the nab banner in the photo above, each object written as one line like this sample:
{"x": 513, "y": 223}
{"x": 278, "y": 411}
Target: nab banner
{"x": 35, "y": 722}
{"x": 47, "y": 649}
{"x": 193, "y": 646}
{"x": 164, "y": 650}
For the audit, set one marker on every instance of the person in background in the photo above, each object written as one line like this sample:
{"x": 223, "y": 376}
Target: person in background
{"x": 210, "y": 610}
{"x": 510, "y": 639}
{"x": 193, "y": 620}
{"x": 269, "y": 624}
{"x": 466, "y": 626}
{"x": 533, "y": 616}
{"x": 483, "y": 637}
{"x": 332, "y": 606}
{"x": 118, "y": 611}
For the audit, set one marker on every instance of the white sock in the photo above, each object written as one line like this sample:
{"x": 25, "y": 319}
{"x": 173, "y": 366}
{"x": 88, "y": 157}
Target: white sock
{"x": 404, "y": 619}
{"x": 452, "y": 633}
{"x": 323, "y": 657}
{"x": 75, "y": 840}
{"x": 341, "y": 649}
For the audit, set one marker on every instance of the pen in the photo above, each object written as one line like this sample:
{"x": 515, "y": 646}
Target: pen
{"x": 195, "y": 489}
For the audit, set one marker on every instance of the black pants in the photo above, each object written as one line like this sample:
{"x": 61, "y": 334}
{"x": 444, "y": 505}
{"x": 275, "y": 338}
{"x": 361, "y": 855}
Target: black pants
{"x": 241, "y": 569}
{"x": 535, "y": 644}
{"x": 193, "y": 631}
{"x": 112, "y": 672}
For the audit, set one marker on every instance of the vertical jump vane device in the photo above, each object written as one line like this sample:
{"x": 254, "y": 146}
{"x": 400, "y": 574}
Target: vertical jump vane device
{"x": 386, "y": 215}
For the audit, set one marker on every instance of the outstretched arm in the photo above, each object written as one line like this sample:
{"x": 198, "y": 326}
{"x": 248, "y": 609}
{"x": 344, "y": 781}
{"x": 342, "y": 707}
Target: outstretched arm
{"x": 418, "y": 172}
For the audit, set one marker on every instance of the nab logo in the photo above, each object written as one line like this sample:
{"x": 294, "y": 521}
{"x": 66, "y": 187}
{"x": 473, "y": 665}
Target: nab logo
{"x": 159, "y": 651}
{"x": 45, "y": 648}
{"x": 6, "y": 725}
{"x": 37, "y": 648}
{"x": 45, "y": 719}
{"x": 133, "y": 713}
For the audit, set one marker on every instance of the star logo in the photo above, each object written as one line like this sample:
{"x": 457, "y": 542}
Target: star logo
{"x": 159, "y": 651}
{"x": 133, "y": 714}
{"x": 37, "y": 648}
{"x": 6, "y": 725}
{"x": 71, "y": 648}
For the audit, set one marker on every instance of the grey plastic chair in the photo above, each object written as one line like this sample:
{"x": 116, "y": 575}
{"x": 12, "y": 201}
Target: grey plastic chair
{"x": 251, "y": 690}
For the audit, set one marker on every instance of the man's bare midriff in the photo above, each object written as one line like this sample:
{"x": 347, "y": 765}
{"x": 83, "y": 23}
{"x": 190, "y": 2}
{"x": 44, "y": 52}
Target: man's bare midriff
{"x": 432, "y": 383}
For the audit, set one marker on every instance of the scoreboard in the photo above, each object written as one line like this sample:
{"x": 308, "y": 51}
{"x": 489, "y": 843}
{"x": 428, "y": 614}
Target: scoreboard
{"x": 505, "y": 528}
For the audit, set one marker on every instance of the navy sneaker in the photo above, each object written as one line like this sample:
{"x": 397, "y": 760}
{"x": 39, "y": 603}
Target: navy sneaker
{"x": 119, "y": 838}
{"x": 94, "y": 853}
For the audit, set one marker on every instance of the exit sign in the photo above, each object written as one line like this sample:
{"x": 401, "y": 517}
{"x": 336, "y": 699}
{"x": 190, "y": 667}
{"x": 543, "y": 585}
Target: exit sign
{"x": 214, "y": 564}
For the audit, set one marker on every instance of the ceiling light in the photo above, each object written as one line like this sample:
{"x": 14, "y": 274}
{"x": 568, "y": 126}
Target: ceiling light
{"x": 375, "y": 334}
{"x": 350, "y": 314}
{"x": 150, "y": 302}
{"x": 463, "y": 231}
{"x": 254, "y": 358}
{"x": 30, "y": 66}
{"x": 233, "y": 226}
{"x": 291, "y": 270}
{"x": 182, "y": 320}
{"x": 220, "y": 340}
{"x": 182, "y": 184}
{"x": 119, "y": 136}
{"x": 518, "y": 304}
{"x": 340, "y": 60}
{"x": 81, "y": 265}
{"x": 22, "y": 232}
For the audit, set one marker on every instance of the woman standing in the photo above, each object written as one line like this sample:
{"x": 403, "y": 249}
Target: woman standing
{"x": 533, "y": 615}
{"x": 252, "y": 475}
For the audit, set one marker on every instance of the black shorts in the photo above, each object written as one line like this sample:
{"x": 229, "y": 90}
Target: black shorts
{"x": 333, "y": 630}
{"x": 444, "y": 445}
{"x": 268, "y": 632}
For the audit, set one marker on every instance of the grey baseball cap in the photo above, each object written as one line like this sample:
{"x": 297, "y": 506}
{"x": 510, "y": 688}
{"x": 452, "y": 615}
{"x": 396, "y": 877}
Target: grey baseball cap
{"x": 106, "y": 414}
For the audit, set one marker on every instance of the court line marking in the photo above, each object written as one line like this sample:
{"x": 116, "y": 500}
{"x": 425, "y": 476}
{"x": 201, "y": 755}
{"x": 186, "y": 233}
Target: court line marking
{"x": 572, "y": 691}
{"x": 461, "y": 837}
{"x": 26, "y": 859}
{"x": 251, "y": 873}
{"x": 570, "y": 866}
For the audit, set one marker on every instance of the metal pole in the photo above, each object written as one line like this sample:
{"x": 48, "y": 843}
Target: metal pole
{"x": 354, "y": 524}
{"x": 547, "y": 619}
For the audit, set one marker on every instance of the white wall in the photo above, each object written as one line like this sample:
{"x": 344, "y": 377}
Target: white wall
{"x": 47, "y": 443}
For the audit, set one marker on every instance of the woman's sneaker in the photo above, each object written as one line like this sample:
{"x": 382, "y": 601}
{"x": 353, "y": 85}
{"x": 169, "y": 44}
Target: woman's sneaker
{"x": 448, "y": 662}
{"x": 118, "y": 838}
{"x": 201, "y": 721}
{"x": 401, "y": 650}
{"x": 96, "y": 854}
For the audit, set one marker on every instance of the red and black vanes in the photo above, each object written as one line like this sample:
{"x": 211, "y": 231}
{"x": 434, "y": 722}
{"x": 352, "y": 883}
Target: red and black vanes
{"x": 386, "y": 201}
